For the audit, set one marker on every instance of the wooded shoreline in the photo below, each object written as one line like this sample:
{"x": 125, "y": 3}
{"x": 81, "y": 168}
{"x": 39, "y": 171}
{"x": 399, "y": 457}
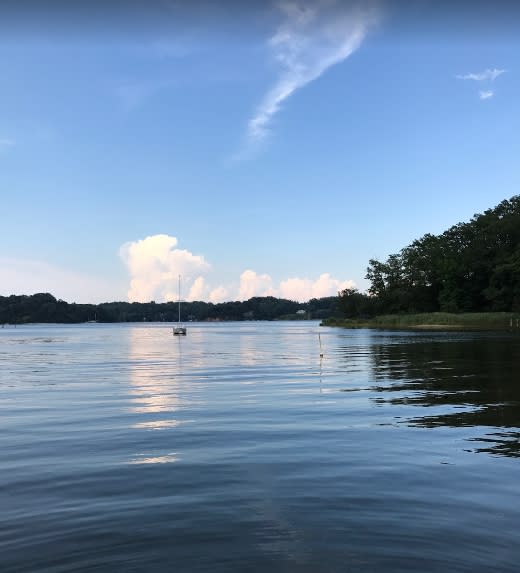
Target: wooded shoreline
{"x": 434, "y": 321}
{"x": 45, "y": 308}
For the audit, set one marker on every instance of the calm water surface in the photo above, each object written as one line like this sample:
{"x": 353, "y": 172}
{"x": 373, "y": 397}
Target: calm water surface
{"x": 123, "y": 448}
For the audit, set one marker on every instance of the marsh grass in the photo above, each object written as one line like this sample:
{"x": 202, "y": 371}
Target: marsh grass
{"x": 435, "y": 320}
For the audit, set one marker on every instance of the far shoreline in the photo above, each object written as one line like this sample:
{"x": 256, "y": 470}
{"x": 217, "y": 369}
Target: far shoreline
{"x": 482, "y": 321}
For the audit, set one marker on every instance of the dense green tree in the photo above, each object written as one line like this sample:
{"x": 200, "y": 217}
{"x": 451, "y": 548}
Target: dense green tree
{"x": 354, "y": 304}
{"x": 473, "y": 266}
{"x": 43, "y": 307}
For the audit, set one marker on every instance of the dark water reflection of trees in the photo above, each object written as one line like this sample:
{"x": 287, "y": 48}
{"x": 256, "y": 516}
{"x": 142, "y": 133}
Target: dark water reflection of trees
{"x": 469, "y": 380}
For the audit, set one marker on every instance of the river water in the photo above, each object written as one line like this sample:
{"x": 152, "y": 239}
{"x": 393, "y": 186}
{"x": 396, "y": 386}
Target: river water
{"x": 123, "y": 448}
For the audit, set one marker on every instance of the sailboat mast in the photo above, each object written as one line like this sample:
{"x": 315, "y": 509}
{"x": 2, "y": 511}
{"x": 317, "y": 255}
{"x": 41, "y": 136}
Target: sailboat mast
{"x": 178, "y": 329}
{"x": 179, "y": 298}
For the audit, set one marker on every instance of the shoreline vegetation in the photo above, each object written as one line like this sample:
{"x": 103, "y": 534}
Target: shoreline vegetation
{"x": 45, "y": 308}
{"x": 466, "y": 278}
{"x": 433, "y": 321}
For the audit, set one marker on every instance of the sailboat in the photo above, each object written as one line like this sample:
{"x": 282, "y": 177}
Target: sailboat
{"x": 179, "y": 330}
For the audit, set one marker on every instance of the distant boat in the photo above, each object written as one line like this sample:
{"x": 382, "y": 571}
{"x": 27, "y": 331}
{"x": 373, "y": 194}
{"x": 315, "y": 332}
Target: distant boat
{"x": 180, "y": 329}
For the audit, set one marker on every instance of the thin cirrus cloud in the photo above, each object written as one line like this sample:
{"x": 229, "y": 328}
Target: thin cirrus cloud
{"x": 312, "y": 37}
{"x": 486, "y": 94}
{"x": 155, "y": 263}
{"x": 489, "y": 74}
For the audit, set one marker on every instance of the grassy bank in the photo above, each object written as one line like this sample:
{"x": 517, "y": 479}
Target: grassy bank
{"x": 435, "y": 320}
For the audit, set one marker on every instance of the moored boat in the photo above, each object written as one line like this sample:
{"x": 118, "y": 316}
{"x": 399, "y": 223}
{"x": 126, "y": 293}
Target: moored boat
{"x": 179, "y": 329}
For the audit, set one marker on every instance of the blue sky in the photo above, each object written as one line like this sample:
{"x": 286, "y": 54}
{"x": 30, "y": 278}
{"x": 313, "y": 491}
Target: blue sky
{"x": 268, "y": 149}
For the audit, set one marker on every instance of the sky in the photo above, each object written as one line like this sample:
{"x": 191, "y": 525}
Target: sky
{"x": 254, "y": 148}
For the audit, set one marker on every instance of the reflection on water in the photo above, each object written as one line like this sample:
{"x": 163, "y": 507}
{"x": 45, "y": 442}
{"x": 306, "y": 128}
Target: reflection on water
{"x": 500, "y": 443}
{"x": 155, "y": 389}
{"x": 236, "y": 448}
{"x": 464, "y": 380}
{"x": 156, "y": 424}
{"x": 154, "y": 378}
{"x": 166, "y": 459}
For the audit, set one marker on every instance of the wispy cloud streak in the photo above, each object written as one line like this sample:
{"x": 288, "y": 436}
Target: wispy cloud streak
{"x": 483, "y": 76}
{"x": 486, "y": 94}
{"x": 313, "y": 37}
{"x": 488, "y": 76}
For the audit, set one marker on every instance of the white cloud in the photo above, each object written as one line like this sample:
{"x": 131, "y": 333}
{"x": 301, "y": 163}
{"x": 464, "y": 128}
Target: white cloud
{"x": 22, "y": 276}
{"x": 486, "y": 94}
{"x": 198, "y": 289}
{"x": 313, "y": 37}
{"x": 488, "y": 74}
{"x": 155, "y": 264}
{"x": 252, "y": 284}
{"x": 299, "y": 289}
{"x": 219, "y": 294}
{"x": 305, "y": 289}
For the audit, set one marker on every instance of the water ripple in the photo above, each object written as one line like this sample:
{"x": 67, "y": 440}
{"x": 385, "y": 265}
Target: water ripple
{"x": 238, "y": 448}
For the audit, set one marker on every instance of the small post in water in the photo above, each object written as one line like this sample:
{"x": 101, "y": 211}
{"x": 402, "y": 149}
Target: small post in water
{"x": 321, "y": 350}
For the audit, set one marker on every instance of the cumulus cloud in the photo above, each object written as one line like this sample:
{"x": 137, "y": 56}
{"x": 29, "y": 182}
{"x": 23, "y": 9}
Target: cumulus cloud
{"x": 155, "y": 264}
{"x": 299, "y": 289}
{"x": 198, "y": 289}
{"x": 486, "y": 94}
{"x": 488, "y": 74}
{"x": 313, "y": 37}
{"x": 219, "y": 294}
{"x": 305, "y": 289}
{"x": 253, "y": 284}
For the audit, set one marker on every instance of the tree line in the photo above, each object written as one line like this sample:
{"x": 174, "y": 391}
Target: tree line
{"x": 471, "y": 267}
{"x": 44, "y": 307}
